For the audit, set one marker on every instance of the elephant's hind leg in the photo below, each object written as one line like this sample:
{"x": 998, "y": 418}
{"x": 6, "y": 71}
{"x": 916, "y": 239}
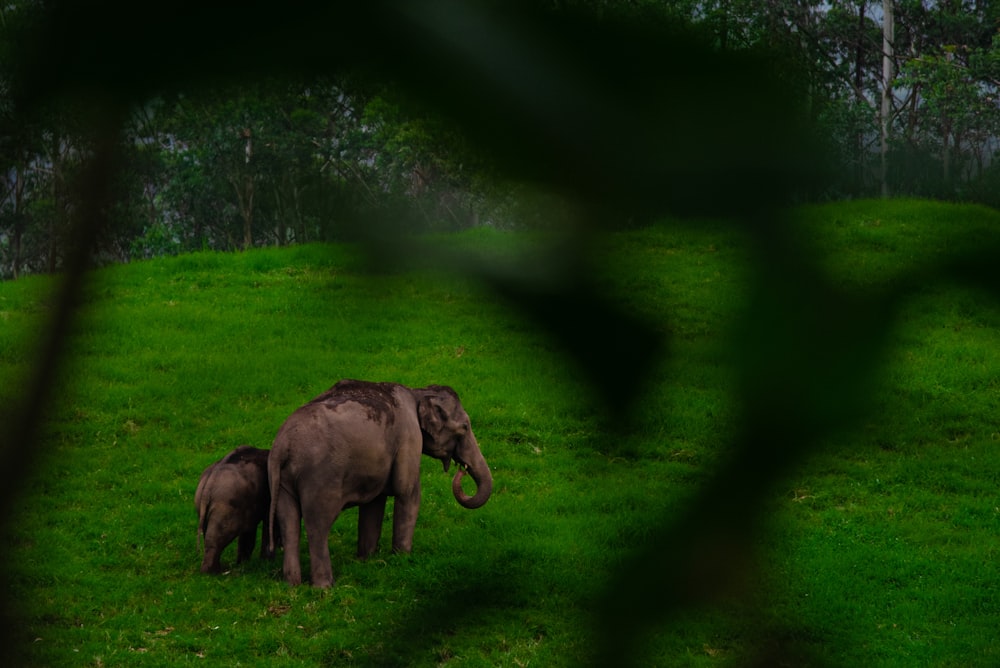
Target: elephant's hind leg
{"x": 370, "y": 517}
{"x": 289, "y": 521}
{"x": 319, "y": 518}
{"x": 212, "y": 562}
{"x": 218, "y": 535}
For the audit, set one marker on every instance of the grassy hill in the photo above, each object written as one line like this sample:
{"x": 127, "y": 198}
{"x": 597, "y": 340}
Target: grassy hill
{"x": 880, "y": 550}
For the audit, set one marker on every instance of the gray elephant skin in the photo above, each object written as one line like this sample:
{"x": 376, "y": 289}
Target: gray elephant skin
{"x": 356, "y": 445}
{"x": 232, "y": 499}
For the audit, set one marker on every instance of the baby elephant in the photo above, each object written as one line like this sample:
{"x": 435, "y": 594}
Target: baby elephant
{"x": 232, "y": 499}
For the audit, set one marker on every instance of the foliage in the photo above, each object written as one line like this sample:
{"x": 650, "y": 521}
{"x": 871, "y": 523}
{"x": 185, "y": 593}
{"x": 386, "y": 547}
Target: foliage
{"x": 256, "y": 164}
{"x": 878, "y": 551}
{"x": 277, "y": 158}
{"x": 944, "y": 93}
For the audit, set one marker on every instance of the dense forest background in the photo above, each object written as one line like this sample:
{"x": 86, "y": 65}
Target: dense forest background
{"x": 902, "y": 96}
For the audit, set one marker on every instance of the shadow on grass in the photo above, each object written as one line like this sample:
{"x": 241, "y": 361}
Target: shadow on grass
{"x": 628, "y": 115}
{"x": 462, "y": 612}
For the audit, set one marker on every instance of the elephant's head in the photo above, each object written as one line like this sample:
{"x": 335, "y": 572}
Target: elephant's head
{"x": 448, "y": 436}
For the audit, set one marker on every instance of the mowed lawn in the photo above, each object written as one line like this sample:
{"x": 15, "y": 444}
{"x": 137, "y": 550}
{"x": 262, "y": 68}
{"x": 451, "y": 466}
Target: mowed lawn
{"x": 881, "y": 549}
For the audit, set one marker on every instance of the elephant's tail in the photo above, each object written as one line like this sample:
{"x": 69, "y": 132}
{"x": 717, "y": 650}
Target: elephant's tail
{"x": 202, "y": 524}
{"x": 274, "y": 481}
{"x": 201, "y": 504}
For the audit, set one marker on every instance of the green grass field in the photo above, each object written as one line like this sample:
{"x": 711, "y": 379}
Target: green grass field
{"x": 881, "y": 550}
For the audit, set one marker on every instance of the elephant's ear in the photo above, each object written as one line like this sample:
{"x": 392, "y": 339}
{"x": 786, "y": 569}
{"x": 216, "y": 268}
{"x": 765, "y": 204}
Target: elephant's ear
{"x": 433, "y": 418}
{"x": 431, "y": 414}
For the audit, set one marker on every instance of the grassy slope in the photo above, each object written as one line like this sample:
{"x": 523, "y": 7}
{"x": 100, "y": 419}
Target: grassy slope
{"x": 882, "y": 552}
{"x": 893, "y": 530}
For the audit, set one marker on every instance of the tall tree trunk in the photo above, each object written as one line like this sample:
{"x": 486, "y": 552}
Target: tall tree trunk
{"x": 245, "y": 191}
{"x": 724, "y": 27}
{"x": 946, "y": 152}
{"x": 888, "y": 37}
{"x": 50, "y": 263}
{"x": 248, "y": 189}
{"x": 914, "y": 115}
{"x": 859, "y": 87}
{"x": 279, "y": 216}
{"x": 58, "y": 206}
{"x": 296, "y": 221}
{"x": 16, "y": 243}
{"x": 19, "y": 221}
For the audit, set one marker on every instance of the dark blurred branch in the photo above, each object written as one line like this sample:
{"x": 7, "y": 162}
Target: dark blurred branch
{"x": 21, "y": 447}
{"x": 630, "y": 117}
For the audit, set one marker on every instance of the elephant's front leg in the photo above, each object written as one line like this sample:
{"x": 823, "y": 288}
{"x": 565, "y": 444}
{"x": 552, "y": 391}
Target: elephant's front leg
{"x": 404, "y": 520}
{"x": 370, "y": 517}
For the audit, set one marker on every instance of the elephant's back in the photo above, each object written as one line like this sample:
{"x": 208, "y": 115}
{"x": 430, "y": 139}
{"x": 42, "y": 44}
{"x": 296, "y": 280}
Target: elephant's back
{"x": 379, "y": 402}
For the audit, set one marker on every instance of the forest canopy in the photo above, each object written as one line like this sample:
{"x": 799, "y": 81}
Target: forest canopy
{"x": 902, "y": 96}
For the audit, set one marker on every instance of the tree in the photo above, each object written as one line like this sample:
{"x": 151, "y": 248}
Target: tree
{"x": 906, "y": 91}
{"x": 888, "y": 75}
{"x": 15, "y": 188}
{"x": 903, "y": 89}
{"x": 956, "y": 93}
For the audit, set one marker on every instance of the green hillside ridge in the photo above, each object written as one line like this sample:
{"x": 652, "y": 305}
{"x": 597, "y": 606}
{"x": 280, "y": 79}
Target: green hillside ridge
{"x": 881, "y": 550}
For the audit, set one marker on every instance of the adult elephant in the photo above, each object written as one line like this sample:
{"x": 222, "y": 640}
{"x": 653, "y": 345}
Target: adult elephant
{"x": 359, "y": 443}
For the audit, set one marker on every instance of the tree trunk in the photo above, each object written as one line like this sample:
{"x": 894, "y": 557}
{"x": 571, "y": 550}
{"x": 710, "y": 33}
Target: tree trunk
{"x": 280, "y": 232}
{"x": 888, "y": 37}
{"x": 16, "y": 243}
{"x": 248, "y": 212}
{"x": 50, "y": 264}
{"x": 58, "y": 207}
{"x": 244, "y": 189}
{"x": 296, "y": 221}
{"x": 946, "y": 153}
{"x": 246, "y": 199}
{"x": 19, "y": 221}
{"x": 859, "y": 86}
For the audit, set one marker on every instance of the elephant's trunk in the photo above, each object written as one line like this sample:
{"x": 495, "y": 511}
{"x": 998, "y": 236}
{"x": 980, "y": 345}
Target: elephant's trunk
{"x": 475, "y": 463}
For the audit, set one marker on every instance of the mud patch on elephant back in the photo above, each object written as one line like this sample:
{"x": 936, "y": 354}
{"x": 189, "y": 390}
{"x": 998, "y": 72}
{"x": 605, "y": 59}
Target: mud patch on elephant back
{"x": 378, "y": 399}
{"x": 444, "y": 389}
{"x": 246, "y": 454}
